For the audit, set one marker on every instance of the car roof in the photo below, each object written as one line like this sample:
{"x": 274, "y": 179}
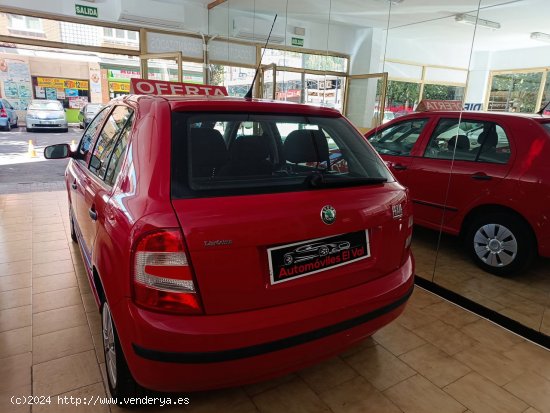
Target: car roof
{"x": 479, "y": 114}
{"x": 233, "y": 104}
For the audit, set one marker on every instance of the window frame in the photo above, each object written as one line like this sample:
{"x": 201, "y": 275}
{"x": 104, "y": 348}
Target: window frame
{"x": 115, "y": 138}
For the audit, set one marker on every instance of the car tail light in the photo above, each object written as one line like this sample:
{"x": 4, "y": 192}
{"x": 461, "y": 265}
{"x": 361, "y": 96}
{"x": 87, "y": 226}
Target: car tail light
{"x": 163, "y": 278}
{"x": 3, "y": 113}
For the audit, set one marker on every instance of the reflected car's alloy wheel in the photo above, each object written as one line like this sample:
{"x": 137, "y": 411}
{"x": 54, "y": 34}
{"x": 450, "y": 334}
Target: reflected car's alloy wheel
{"x": 109, "y": 345}
{"x": 495, "y": 245}
{"x": 500, "y": 243}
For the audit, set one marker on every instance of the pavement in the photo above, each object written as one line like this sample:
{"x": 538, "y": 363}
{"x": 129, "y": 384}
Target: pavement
{"x": 21, "y": 172}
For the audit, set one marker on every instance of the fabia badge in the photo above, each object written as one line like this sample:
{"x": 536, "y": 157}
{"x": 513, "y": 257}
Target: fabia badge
{"x": 328, "y": 214}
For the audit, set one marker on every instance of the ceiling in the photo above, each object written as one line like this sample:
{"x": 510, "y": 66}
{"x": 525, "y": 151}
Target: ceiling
{"x": 420, "y": 20}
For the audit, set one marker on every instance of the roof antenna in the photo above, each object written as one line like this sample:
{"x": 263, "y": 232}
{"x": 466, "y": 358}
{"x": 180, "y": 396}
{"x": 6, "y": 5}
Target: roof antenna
{"x": 249, "y": 93}
{"x": 541, "y": 112}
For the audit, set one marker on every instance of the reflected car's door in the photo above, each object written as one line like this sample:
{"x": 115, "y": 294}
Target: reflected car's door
{"x": 464, "y": 160}
{"x": 96, "y": 190}
{"x": 397, "y": 144}
{"x": 78, "y": 178}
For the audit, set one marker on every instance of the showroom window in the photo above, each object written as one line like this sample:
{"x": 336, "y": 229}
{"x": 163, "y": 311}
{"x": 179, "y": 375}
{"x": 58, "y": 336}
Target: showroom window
{"x": 402, "y": 97}
{"x": 398, "y": 139}
{"x": 443, "y": 92}
{"x": 237, "y": 80}
{"x": 317, "y": 79}
{"x": 515, "y": 92}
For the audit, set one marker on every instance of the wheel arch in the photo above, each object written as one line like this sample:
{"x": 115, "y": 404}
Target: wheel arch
{"x": 98, "y": 286}
{"x": 494, "y": 208}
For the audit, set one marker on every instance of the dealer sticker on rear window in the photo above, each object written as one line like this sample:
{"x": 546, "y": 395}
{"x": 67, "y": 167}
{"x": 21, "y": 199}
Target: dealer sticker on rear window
{"x": 287, "y": 262}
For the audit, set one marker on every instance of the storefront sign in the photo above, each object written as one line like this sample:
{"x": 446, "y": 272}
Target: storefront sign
{"x": 296, "y": 41}
{"x": 122, "y": 74}
{"x": 428, "y": 105}
{"x": 86, "y": 11}
{"x": 61, "y": 83}
{"x": 119, "y": 87}
{"x": 159, "y": 87}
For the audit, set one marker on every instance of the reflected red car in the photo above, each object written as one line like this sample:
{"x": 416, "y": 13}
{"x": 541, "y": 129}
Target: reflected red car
{"x": 482, "y": 175}
{"x": 184, "y": 208}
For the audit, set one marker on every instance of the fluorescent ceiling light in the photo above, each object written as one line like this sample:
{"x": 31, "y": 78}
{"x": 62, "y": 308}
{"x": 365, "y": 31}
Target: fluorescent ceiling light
{"x": 469, "y": 19}
{"x": 540, "y": 36}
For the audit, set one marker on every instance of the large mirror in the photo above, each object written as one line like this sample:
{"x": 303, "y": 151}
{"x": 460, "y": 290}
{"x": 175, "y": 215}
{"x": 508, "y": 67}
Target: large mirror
{"x": 498, "y": 211}
{"x": 429, "y": 71}
{"x": 426, "y": 57}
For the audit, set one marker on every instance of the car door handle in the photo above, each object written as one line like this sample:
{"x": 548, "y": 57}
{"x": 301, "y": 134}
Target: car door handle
{"x": 482, "y": 177}
{"x": 399, "y": 167}
{"x": 93, "y": 214}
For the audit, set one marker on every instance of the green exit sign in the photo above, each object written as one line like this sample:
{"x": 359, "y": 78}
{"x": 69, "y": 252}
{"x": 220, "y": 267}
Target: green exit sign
{"x": 296, "y": 41}
{"x": 85, "y": 11}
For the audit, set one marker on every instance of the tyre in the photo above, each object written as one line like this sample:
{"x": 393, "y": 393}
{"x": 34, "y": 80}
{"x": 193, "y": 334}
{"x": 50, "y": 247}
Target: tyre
{"x": 73, "y": 232}
{"x": 15, "y": 124}
{"x": 121, "y": 383}
{"x": 500, "y": 243}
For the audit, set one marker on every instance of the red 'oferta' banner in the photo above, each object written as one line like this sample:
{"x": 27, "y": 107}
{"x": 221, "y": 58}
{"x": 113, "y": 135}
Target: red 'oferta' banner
{"x": 427, "y": 105}
{"x": 162, "y": 87}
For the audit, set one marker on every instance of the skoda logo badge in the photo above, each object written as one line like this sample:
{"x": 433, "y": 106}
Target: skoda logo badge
{"x": 328, "y": 214}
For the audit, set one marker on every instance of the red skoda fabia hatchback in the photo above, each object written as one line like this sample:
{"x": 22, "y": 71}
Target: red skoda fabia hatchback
{"x": 229, "y": 240}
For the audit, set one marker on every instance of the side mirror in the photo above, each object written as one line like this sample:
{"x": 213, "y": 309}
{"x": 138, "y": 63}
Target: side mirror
{"x": 59, "y": 151}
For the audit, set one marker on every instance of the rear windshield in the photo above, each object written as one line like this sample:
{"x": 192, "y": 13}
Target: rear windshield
{"x": 45, "y": 106}
{"x": 228, "y": 153}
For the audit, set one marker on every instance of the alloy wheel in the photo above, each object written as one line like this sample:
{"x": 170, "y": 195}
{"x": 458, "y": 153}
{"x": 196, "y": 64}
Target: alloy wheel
{"x": 495, "y": 245}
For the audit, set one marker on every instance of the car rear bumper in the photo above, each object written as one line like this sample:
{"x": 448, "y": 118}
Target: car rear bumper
{"x": 190, "y": 353}
{"x": 4, "y": 122}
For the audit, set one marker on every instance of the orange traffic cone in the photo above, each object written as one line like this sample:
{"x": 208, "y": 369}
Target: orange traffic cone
{"x": 31, "y": 152}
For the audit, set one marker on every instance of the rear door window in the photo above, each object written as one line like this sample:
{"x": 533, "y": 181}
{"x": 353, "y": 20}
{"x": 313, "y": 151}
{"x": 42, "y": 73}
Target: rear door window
{"x": 398, "y": 139}
{"x": 468, "y": 140}
{"x": 257, "y": 153}
{"x": 90, "y": 133}
{"x": 107, "y": 140}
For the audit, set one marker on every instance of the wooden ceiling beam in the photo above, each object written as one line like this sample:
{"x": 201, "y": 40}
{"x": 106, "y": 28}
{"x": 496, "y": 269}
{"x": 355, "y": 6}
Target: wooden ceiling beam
{"x": 215, "y": 3}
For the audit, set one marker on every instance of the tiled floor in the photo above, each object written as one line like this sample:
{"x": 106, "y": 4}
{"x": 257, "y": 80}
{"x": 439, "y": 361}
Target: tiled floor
{"x": 435, "y": 358}
{"x": 524, "y": 298}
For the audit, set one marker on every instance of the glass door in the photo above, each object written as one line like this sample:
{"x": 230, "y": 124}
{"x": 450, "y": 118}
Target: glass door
{"x": 162, "y": 66}
{"x": 365, "y": 100}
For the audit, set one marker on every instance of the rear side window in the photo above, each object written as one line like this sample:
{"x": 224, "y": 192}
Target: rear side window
{"x": 468, "y": 140}
{"x": 257, "y": 153}
{"x": 398, "y": 139}
{"x": 90, "y": 132}
{"x": 546, "y": 126}
{"x": 107, "y": 140}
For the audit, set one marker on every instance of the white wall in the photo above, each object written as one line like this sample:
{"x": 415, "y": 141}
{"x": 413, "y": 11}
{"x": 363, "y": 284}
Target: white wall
{"x": 195, "y": 12}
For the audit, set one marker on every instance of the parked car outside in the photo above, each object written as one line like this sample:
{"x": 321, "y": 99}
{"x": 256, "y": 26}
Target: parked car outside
{"x": 8, "y": 115}
{"x": 87, "y": 113}
{"x": 184, "y": 208}
{"x": 484, "y": 176}
{"x": 46, "y": 114}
